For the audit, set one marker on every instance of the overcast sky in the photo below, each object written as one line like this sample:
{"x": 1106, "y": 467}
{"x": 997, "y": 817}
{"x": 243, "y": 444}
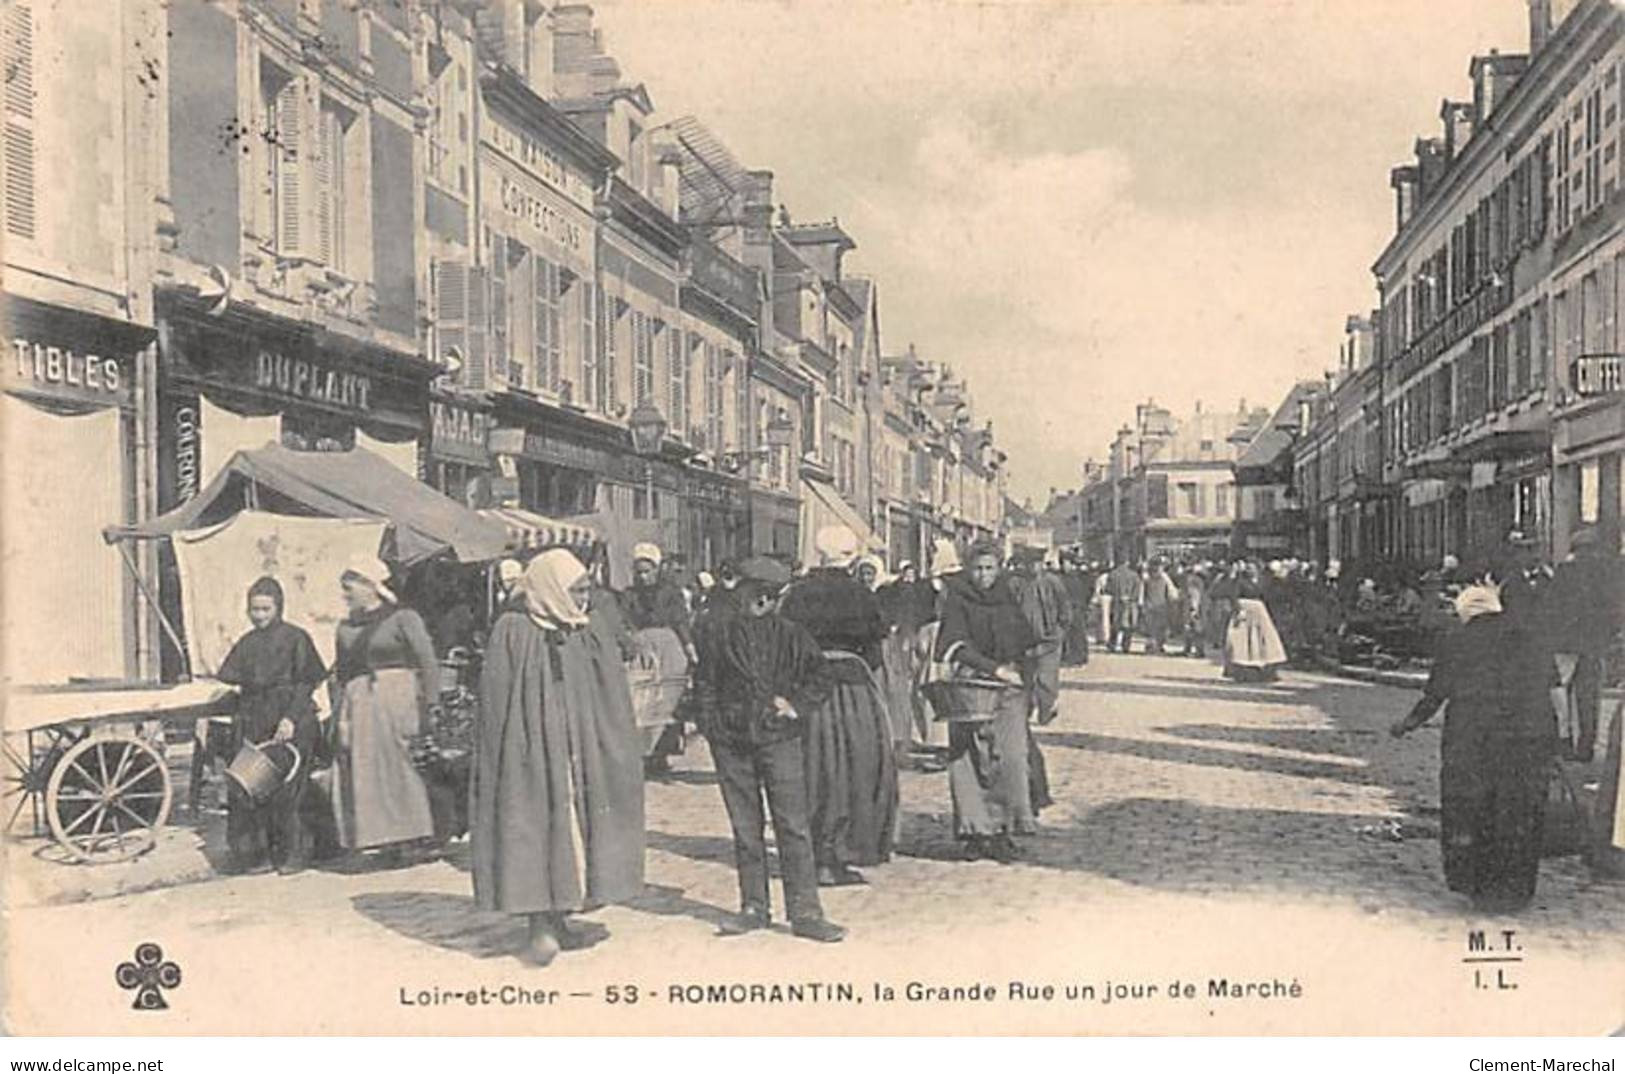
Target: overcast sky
{"x": 1082, "y": 204}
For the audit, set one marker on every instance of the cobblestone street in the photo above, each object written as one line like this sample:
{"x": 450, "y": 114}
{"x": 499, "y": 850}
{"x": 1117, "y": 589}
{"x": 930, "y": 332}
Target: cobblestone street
{"x": 1202, "y": 830}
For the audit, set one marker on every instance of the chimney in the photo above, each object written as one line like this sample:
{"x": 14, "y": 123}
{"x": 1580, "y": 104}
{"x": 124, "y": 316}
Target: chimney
{"x": 1493, "y": 78}
{"x": 756, "y": 212}
{"x": 1403, "y": 180}
{"x": 1430, "y": 165}
{"x": 669, "y": 161}
{"x": 1540, "y": 24}
{"x": 575, "y": 46}
{"x": 1457, "y": 117}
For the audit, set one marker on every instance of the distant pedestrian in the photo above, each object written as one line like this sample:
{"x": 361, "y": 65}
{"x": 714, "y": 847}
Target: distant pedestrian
{"x": 1252, "y": 648}
{"x": 1048, "y": 608}
{"x": 1123, "y": 588}
{"x": 1159, "y": 599}
{"x": 1193, "y": 590}
{"x": 1080, "y": 588}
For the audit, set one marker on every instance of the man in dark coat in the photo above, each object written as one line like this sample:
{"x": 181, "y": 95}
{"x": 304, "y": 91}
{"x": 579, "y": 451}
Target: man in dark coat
{"x": 758, "y": 673}
{"x": 1583, "y": 608}
{"x": 1048, "y": 608}
{"x": 1080, "y": 588}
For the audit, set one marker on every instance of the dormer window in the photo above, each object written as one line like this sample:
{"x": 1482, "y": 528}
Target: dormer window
{"x": 637, "y": 166}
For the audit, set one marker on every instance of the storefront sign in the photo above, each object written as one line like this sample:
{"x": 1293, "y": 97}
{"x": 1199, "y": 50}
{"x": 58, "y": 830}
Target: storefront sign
{"x": 180, "y": 449}
{"x": 544, "y": 447}
{"x": 539, "y": 160}
{"x": 303, "y": 378}
{"x": 528, "y": 211}
{"x": 48, "y": 368}
{"x": 458, "y": 432}
{"x": 1598, "y": 374}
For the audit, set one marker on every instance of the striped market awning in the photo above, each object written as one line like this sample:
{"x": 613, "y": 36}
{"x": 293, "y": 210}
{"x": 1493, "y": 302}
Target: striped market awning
{"x": 528, "y": 530}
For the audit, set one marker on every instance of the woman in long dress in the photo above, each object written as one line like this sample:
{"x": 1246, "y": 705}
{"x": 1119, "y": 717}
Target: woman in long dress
{"x": 985, "y": 633}
{"x": 1252, "y": 648}
{"x": 851, "y": 763}
{"x": 387, "y": 678}
{"x": 556, "y": 802}
{"x": 1493, "y": 677}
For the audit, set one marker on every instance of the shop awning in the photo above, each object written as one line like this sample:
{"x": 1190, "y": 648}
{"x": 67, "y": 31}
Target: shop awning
{"x": 335, "y": 484}
{"x": 822, "y": 506}
{"x": 526, "y": 529}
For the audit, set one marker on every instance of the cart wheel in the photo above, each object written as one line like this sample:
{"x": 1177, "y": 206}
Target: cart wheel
{"x": 29, "y": 759}
{"x": 107, "y": 798}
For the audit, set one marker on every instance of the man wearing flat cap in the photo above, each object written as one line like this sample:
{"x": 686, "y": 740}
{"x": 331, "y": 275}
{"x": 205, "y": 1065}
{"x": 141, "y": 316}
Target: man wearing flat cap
{"x": 758, "y": 673}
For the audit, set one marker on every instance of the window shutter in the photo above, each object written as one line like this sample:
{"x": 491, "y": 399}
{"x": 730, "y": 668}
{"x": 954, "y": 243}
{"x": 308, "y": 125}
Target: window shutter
{"x": 589, "y": 345}
{"x": 677, "y": 371}
{"x": 497, "y": 273}
{"x": 17, "y": 55}
{"x": 287, "y": 135}
{"x": 612, "y": 309}
{"x": 1156, "y": 496}
{"x": 451, "y": 308}
{"x": 323, "y": 169}
{"x": 479, "y": 295}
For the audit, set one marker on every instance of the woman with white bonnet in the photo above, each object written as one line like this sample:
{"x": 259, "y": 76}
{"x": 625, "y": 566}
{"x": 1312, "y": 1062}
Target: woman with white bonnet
{"x": 556, "y": 799}
{"x": 387, "y": 677}
{"x": 1492, "y": 677}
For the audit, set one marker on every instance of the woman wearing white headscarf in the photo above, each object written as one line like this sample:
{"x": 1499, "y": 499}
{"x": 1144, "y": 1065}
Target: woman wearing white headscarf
{"x": 556, "y": 800}
{"x": 387, "y": 677}
{"x": 1491, "y": 676}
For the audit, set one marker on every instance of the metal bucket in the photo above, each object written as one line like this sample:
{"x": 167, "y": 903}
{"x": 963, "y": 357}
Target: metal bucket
{"x": 256, "y": 771}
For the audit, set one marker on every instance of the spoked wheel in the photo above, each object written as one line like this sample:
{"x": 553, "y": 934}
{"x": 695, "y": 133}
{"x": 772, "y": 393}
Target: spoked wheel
{"x": 107, "y": 798}
{"x": 28, "y": 762}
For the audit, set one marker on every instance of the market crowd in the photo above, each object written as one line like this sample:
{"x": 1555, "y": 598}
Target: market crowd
{"x": 527, "y": 705}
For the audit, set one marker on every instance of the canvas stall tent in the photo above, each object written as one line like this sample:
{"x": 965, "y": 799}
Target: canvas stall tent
{"x": 355, "y": 484}
{"x": 527, "y": 530}
{"x": 305, "y": 555}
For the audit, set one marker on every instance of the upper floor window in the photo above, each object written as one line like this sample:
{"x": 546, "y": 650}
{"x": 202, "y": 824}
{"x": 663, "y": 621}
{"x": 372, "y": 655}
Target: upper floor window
{"x": 643, "y": 358}
{"x": 335, "y": 191}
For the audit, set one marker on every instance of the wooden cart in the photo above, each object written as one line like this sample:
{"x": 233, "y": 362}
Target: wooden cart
{"x": 88, "y": 764}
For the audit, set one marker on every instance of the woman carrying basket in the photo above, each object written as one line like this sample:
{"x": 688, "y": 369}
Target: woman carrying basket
{"x": 984, "y": 634}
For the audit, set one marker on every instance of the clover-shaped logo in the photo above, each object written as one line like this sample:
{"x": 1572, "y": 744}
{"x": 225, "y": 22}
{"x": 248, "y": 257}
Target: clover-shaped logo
{"x": 148, "y": 976}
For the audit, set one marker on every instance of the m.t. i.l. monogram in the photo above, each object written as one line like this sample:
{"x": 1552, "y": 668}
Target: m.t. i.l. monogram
{"x": 148, "y": 976}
